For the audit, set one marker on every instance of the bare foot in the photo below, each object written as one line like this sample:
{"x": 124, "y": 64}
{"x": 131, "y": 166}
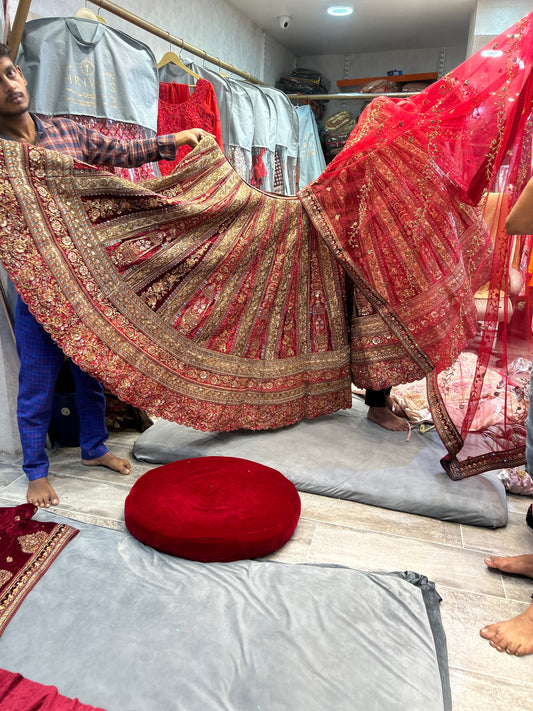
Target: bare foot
{"x": 41, "y": 493}
{"x": 513, "y": 636}
{"x": 385, "y": 418}
{"x": 111, "y": 461}
{"x": 516, "y": 564}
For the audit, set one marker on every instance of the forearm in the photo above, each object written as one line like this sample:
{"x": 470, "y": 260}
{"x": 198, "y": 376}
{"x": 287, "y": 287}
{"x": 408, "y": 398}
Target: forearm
{"x": 130, "y": 154}
{"x": 520, "y": 219}
{"x": 103, "y": 150}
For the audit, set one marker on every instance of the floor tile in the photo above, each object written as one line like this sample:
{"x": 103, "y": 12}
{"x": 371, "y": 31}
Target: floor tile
{"x": 367, "y": 550}
{"x": 514, "y": 539}
{"x": 374, "y": 518}
{"x": 67, "y": 460}
{"x": 481, "y": 692}
{"x": 517, "y": 587}
{"x": 297, "y": 549}
{"x": 79, "y": 495}
{"x": 9, "y": 473}
{"x": 519, "y": 504}
{"x": 463, "y": 615}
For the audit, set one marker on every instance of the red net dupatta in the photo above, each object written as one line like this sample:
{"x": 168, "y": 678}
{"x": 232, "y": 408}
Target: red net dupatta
{"x": 414, "y": 208}
{"x": 27, "y": 549}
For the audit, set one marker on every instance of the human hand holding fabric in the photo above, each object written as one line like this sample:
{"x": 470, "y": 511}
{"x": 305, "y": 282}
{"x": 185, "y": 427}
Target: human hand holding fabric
{"x": 190, "y": 137}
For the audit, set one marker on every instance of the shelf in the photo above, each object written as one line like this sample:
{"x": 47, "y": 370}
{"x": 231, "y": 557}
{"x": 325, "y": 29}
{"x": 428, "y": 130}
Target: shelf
{"x": 397, "y": 78}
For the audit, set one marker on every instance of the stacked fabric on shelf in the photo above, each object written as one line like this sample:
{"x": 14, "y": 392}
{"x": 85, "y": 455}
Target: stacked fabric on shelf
{"x": 337, "y": 128}
{"x": 307, "y": 81}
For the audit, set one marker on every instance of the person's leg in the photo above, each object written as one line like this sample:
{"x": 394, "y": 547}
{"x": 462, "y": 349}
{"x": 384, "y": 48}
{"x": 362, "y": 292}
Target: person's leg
{"x": 380, "y": 410}
{"x": 40, "y": 363}
{"x": 93, "y": 431}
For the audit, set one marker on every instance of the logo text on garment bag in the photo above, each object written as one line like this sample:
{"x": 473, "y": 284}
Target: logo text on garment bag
{"x": 83, "y": 82}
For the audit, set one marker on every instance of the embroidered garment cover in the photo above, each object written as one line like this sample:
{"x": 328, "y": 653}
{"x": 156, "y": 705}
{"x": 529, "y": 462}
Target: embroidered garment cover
{"x": 206, "y": 301}
{"x": 78, "y": 66}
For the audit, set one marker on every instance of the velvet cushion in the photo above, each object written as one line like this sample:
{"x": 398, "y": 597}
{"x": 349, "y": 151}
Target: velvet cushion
{"x": 213, "y": 509}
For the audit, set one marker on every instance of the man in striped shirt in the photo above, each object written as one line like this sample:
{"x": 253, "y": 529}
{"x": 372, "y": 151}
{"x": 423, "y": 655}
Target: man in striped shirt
{"x": 40, "y": 357}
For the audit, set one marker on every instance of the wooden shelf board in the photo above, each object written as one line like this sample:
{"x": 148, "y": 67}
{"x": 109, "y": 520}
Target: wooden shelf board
{"x": 400, "y": 78}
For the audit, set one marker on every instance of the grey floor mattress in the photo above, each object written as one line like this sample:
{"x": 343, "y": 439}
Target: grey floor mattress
{"x": 123, "y": 627}
{"x": 343, "y": 455}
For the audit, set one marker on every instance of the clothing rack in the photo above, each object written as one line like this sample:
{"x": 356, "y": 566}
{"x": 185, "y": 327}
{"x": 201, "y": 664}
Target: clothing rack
{"x": 154, "y": 30}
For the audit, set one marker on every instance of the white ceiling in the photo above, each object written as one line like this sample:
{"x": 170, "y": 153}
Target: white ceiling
{"x": 373, "y": 26}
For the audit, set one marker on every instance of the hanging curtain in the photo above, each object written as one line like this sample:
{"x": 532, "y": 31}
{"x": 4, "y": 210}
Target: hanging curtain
{"x": 206, "y": 301}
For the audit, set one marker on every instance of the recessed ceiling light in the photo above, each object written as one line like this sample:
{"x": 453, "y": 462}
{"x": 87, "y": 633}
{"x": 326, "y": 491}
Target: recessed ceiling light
{"x": 339, "y": 10}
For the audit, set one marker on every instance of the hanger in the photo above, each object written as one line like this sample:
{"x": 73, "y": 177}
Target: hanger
{"x": 86, "y": 14}
{"x": 172, "y": 58}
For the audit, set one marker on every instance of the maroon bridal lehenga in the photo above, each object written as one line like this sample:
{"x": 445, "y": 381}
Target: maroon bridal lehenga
{"x": 206, "y": 301}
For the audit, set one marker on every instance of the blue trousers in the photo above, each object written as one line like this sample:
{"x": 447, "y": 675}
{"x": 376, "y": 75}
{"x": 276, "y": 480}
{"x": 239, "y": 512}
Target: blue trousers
{"x": 40, "y": 362}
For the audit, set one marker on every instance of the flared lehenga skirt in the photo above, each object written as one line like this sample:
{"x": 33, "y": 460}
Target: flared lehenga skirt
{"x": 211, "y": 303}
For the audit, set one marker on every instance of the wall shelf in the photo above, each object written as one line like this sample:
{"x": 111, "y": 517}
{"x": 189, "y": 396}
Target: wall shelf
{"x": 399, "y": 78}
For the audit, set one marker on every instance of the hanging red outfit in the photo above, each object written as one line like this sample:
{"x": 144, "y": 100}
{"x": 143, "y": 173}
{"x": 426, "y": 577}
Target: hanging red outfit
{"x": 179, "y": 110}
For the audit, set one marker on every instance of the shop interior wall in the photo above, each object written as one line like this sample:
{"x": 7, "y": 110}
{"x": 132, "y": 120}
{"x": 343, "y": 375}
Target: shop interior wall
{"x": 221, "y": 31}
{"x": 215, "y": 27}
{"x": 377, "y": 64}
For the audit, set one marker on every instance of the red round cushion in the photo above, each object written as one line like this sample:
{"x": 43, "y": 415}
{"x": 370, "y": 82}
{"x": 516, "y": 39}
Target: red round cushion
{"x": 213, "y": 509}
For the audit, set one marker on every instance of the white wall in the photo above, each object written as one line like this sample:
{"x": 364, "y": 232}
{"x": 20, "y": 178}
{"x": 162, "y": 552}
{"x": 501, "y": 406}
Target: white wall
{"x": 492, "y": 17}
{"x": 376, "y": 64}
{"x": 215, "y": 27}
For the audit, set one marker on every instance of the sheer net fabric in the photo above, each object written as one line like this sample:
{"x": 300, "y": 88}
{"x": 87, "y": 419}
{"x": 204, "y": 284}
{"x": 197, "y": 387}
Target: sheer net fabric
{"x": 415, "y": 208}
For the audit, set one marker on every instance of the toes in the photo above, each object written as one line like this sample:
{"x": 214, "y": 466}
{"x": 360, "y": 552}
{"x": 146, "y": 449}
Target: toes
{"x": 487, "y": 632}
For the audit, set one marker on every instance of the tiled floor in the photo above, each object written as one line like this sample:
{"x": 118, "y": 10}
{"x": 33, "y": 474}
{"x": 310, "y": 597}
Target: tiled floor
{"x": 368, "y": 538}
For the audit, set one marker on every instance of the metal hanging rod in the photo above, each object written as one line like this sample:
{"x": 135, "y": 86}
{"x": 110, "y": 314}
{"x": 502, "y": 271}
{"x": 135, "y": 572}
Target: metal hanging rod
{"x": 143, "y": 24}
{"x": 368, "y": 97}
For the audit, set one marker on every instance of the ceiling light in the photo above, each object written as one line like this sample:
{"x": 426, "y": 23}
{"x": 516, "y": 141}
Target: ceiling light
{"x": 339, "y": 10}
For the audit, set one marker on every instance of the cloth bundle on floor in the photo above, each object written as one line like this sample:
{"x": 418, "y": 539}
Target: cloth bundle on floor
{"x": 20, "y": 694}
{"x": 213, "y": 509}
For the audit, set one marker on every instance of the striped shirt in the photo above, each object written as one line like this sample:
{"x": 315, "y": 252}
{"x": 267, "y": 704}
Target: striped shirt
{"x": 86, "y": 144}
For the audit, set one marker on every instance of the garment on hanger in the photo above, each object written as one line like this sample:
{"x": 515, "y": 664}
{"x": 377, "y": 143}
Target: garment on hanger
{"x": 287, "y": 139}
{"x": 171, "y": 72}
{"x": 83, "y": 69}
{"x": 212, "y": 303}
{"x": 264, "y": 137}
{"x": 179, "y": 111}
{"x": 80, "y": 67}
{"x": 311, "y": 161}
